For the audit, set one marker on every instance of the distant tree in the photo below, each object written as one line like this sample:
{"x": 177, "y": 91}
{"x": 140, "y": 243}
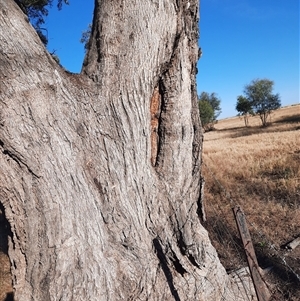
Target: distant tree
{"x": 263, "y": 102}
{"x": 244, "y": 107}
{"x": 208, "y": 120}
{"x": 214, "y": 102}
{"x": 206, "y": 114}
{"x": 37, "y": 10}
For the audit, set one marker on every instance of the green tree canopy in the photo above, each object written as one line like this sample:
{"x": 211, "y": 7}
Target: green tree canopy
{"x": 37, "y": 10}
{"x": 206, "y": 113}
{"x": 214, "y": 101}
{"x": 244, "y": 107}
{"x": 263, "y": 102}
{"x": 209, "y": 107}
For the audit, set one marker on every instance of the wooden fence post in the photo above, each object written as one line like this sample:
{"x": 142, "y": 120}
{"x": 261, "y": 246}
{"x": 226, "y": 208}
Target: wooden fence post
{"x": 261, "y": 290}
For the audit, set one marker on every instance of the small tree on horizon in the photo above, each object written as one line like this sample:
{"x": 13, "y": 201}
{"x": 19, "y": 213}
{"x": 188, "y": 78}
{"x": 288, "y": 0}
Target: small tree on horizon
{"x": 206, "y": 114}
{"x": 263, "y": 102}
{"x": 244, "y": 107}
{"x": 209, "y": 107}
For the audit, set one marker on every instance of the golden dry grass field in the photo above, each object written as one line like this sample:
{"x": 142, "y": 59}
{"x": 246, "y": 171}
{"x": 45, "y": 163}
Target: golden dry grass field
{"x": 258, "y": 169}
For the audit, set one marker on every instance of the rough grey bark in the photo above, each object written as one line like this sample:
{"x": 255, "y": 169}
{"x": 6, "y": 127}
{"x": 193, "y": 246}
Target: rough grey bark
{"x": 100, "y": 171}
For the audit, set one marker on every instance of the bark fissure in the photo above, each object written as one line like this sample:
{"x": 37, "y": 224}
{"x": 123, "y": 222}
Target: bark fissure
{"x": 176, "y": 262}
{"x": 164, "y": 265}
{"x": 6, "y": 235}
{"x": 16, "y": 158}
{"x": 168, "y": 65}
{"x": 201, "y": 203}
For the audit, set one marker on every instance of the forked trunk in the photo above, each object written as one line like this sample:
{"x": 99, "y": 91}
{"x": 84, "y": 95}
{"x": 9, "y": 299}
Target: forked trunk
{"x": 100, "y": 171}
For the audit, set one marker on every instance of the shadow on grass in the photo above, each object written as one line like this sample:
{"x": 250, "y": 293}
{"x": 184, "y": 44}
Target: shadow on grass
{"x": 226, "y": 241}
{"x": 280, "y": 275}
{"x": 248, "y": 131}
{"x": 289, "y": 119}
{"x": 277, "y": 193}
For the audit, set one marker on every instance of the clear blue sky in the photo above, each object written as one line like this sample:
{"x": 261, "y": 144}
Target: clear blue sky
{"x": 241, "y": 40}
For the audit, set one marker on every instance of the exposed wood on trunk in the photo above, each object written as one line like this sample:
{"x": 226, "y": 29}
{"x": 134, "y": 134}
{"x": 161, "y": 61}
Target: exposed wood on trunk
{"x": 155, "y": 115}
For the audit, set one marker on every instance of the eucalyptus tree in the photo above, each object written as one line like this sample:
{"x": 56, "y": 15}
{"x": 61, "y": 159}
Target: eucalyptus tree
{"x": 101, "y": 171}
{"x": 244, "y": 107}
{"x": 263, "y": 102}
{"x": 206, "y": 114}
{"x": 214, "y": 101}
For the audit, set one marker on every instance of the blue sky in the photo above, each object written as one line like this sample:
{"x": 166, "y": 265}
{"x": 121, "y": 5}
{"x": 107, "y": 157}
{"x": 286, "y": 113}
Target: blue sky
{"x": 241, "y": 40}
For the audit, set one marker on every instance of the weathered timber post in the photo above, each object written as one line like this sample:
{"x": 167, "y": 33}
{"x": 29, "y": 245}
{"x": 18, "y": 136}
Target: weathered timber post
{"x": 262, "y": 292}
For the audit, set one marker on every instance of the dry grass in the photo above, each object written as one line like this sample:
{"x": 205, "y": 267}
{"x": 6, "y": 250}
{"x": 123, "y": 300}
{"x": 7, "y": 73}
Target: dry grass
{"x": 259, "y": 168}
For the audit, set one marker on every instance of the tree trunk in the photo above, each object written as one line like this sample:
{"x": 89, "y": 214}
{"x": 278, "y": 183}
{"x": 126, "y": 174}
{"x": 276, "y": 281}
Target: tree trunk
{"x": 100, "y": 171}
